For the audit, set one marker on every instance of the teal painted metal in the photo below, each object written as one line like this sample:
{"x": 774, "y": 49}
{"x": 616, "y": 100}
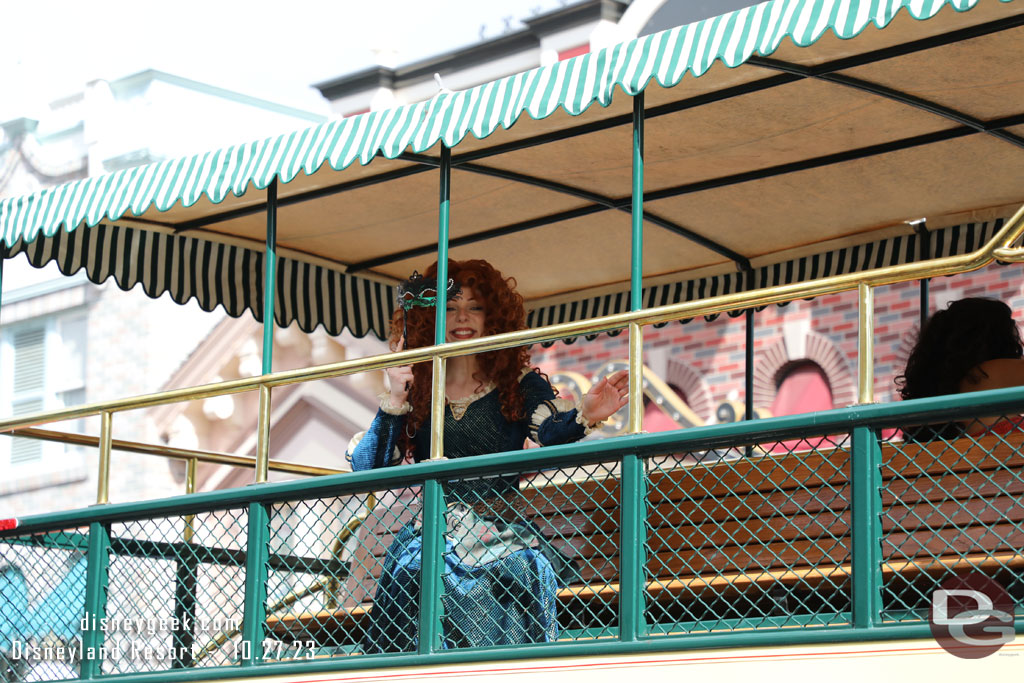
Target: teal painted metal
{"x": 637, "y": 253}
{"x": 270, "y": 279}
{"x": 866, "y": 522}
{"x": 632, "y": 496}
{"x": 748, "y": 373}
{"x": 254, "y": 611}
{"x": 433, "y": 496}
{"x": 431, "y": 567}
{"x": 748, "y": 367}
{"x": 443, "y": 212}
{"x": 98, "y": 561}
{"x": 632, "y": 555}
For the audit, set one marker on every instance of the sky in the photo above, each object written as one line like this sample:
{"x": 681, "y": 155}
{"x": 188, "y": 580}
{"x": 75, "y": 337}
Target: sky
{"x": 274, "y": 49}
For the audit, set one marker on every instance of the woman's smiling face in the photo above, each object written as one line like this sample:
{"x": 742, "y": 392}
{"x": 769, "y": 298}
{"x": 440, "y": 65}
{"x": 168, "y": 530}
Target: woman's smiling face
{"x": 466, "y": 317}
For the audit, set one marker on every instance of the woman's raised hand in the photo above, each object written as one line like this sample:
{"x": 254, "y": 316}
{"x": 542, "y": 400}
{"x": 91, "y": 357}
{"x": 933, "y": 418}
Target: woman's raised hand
{"x": 399, "y": 380}
{"x": 606, "y": 397}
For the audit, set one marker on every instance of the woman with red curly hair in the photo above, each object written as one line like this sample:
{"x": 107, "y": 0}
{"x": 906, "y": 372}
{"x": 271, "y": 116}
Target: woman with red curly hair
{"x": 501, "y": 575}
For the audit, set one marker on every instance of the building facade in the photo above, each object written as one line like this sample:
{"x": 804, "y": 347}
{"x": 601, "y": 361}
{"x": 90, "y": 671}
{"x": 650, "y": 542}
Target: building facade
{"x": 65, "y": 341}
{"x": 805, "y": 353}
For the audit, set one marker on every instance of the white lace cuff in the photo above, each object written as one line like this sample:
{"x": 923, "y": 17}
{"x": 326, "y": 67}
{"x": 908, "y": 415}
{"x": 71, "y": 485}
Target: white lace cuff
{"x": 587, "y": 428}
{"x": 385, "y": 405}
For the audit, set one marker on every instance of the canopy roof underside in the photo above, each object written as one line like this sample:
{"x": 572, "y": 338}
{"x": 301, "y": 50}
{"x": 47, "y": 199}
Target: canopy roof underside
{"x": 758, "y": 160}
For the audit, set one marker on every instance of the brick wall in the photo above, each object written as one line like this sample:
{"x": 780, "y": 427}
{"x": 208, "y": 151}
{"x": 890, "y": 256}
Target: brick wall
{"x": 824, "y": 330}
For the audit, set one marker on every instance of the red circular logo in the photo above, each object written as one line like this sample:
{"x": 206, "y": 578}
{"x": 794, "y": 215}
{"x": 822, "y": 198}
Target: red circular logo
{"x": 971, "y": 616}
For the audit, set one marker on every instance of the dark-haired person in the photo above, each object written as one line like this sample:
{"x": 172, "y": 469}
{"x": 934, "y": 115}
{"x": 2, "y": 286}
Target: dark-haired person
{"x": 501, "y": 576}
{"x": 972, "y": 345}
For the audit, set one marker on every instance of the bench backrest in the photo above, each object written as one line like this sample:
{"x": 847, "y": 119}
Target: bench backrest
{"x": 766, "y": 514}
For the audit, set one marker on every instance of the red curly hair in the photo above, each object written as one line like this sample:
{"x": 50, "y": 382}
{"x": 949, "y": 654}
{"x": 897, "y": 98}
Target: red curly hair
{"x": 503, "y": 311}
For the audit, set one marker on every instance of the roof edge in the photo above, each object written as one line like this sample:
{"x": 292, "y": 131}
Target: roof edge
{"x": 467, "y": 56}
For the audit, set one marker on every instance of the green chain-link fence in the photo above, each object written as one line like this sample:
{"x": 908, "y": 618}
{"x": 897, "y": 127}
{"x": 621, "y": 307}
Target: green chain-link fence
{"x": 175, "y": 584}
{"x": 794, "y": 525}
{"x": 749, "y": 537}
{"x": 326, "y": 556}
{"x": 952, "y": 503}
{"x": 42, "y": 602}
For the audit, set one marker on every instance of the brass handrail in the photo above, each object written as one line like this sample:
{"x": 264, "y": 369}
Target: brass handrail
{"x": 999, "y": 247}
{"x": 173, "y": 452}
{"x": 1009, "y": 254}
{"x": 329, "y": 583}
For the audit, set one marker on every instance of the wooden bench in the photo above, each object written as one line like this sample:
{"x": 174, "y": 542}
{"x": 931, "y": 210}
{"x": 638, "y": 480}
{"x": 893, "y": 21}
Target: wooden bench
{"x": 751, "y": 529}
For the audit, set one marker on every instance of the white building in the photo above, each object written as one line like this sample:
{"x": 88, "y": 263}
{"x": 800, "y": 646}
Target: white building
{"x": 546, "y": 38}
{"x": 65, "y": 341}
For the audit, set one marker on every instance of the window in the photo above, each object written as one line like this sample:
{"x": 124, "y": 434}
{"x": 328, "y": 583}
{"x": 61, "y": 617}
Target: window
{"x": 45, "y": 359}
{"x": 802, "y": 388}
{"x": 574, "y": 52}
{"x": 29, "y": 386}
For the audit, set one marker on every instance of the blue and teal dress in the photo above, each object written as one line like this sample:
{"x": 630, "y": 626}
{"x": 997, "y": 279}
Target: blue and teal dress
{"x": 500, "y": 574}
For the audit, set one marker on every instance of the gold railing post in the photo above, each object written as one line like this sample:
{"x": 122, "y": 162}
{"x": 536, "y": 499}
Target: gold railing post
{"x": 263, "y": 436}
{"x": 636, "y": 379}
{"x": 190, "y": 487}
{"x": 190, "y": 475}
{"x": 866, "y": 344}
{"x": 437, "y": 385}
{"x": 105, "y": 443}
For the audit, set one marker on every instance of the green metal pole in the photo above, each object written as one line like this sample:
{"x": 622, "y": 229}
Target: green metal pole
{"x": 637, "y": 253}
{"x": 96, "y": 581}
{"x": 269, "y": 297}
{"x": 442, "y": 241}
{"x": 748, "y": 370}
{"x": 866, "y": 520}
{"x": 186, "y": 578}
{"x": 270, "y": 279}
{"x": 632, "y": 555}
{"x": 254, "y": 612}
{"x": 437, "y": 381}
{"x": 430, "y": 570}
{"x": 433, "y": 495}
{"x": 632, "y": 516}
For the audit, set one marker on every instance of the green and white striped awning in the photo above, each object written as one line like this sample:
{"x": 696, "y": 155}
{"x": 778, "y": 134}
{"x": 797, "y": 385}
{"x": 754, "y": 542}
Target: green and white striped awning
{"x": 773, "y": 133}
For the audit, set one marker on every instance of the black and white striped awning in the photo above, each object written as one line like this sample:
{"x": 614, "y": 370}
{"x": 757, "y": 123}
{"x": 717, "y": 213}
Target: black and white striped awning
{"x": 949, "y": 241}
{"x": 231, "y": 276}
{"x": 217, "y": 274}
